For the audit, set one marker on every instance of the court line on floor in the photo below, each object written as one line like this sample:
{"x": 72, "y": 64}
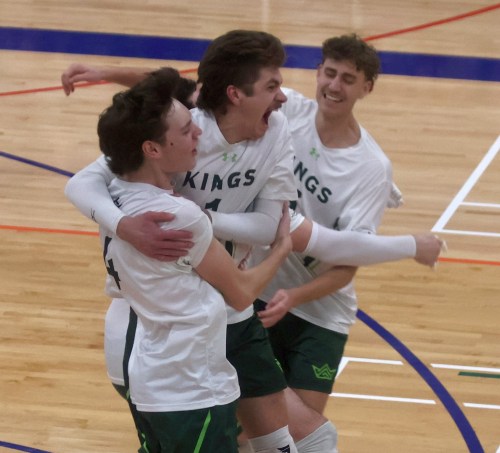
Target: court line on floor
{"x": 382, "y": 398}
{"x": 29, "y": 229}
{"x": 77, "y": 85}
{"x": 453, "y": 409}
{"x": 465, "y": 368}
{"x": 368, "y": 38}
{"x": 436, "y": 22}
{"x": 482, "y": 406}
{"x": 21, "y": 447}
{"x": 459, "y": 198}
{"x": 35, "y": 163}
{"x": 346, "y": 360}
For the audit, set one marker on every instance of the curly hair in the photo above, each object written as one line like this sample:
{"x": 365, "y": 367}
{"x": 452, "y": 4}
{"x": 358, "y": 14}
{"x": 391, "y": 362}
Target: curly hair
{"x": 352, "y": 48}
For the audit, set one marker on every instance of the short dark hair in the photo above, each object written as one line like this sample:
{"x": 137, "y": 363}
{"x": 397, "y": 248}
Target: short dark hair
{"x": 236, "y": 58}
{"x": 183, "y": 92}
{"x": 352, "y": 48}
{"x": 135, "y": 116}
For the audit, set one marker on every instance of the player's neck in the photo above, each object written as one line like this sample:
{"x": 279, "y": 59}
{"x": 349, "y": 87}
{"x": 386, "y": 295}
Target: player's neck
{"x": 338, "y": 132}
{"x": 151, "y": 175}
{"x": 232, "y": 127}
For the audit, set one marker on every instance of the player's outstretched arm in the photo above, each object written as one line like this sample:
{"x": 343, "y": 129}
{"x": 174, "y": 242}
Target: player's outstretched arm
{"x": 350, "y": 248}
{"x": 78, "y": 72}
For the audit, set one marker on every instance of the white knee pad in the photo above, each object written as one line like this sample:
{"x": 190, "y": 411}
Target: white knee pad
{"x": 323, "y": 440}
{"x": 278, "y": 441}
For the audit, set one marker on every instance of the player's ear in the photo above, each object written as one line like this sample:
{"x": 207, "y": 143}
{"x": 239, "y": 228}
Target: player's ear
{"x": 150, "y": 149}
{"x": 367, "y": 88}
{"x": 234, "y": 94}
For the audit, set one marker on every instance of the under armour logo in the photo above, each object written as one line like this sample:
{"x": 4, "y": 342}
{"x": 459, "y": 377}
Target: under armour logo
{"x": 325, "y": 372}
{"x": 285, "y": 449}
{"x": 314, "y": 153}
{"x": 226, "y": 157}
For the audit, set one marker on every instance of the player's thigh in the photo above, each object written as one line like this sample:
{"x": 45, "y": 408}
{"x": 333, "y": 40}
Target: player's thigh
{"x": 250, "y": 352}
{"x": 303, "y": 419}
{"x": 311, "y": 355}
{"x": 262, "y": 415}
{"x": 312, "y": 399}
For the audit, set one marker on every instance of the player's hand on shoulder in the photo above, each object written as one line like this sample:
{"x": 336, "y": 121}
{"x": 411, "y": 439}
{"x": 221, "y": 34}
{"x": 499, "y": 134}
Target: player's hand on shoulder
{"x": 146, "y": 235}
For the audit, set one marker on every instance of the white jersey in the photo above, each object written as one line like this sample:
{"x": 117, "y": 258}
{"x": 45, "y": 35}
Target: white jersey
{"x": 228, "y": 178}
{"x": 343, "y": 189}
{"x": 178, "y": 360}
{"x": 242, "y": 172}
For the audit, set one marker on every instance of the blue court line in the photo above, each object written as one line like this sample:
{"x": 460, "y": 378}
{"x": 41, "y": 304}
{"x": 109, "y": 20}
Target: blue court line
{"x": 34, "y": 163}
{"x": 187, "y": 49}
{"x": 432, "y": 381}
{"x": 21, "y": 448}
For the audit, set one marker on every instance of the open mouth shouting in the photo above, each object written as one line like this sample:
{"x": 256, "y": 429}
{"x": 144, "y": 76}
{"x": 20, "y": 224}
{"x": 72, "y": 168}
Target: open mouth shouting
{"x": 266, "y": 116}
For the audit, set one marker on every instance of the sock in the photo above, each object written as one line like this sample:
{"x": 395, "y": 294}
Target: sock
{"x": 278, "y": 441}
{"x": 323, "y": 440}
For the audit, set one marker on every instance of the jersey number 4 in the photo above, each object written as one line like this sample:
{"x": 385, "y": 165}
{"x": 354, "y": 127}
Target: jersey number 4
{"x": 109, "y": 262}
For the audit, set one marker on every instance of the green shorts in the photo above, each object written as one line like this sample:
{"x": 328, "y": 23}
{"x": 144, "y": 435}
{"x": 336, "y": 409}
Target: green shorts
{"x": 209, "y": 430}
{"x": 250, "y": 352}
{"x": 309, "y": 355}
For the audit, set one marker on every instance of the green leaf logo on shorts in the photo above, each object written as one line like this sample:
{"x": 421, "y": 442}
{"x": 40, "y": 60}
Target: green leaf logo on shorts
{"x": 325, "y": 372}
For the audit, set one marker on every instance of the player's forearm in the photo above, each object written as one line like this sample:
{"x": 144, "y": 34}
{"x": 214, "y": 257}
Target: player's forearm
{"x": 323, "y": 285}
{"x": 257, "y": 278}
{"x": 88, "y": 192}
{"x": 240, "y": 287}
{"x": 254, "y": 228}
{"x": 350, "y": 248}
{"x": 125, "y": 76}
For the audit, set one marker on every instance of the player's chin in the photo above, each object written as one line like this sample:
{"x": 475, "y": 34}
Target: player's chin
{"x": 259, "y": 130}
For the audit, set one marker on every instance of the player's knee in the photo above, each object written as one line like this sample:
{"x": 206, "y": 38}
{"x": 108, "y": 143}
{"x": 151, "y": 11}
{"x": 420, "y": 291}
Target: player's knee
{"x": 323, "y": 440}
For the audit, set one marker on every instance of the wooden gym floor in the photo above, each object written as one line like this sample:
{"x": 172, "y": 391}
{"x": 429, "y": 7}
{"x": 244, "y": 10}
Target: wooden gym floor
{"x": 422, "y": 366}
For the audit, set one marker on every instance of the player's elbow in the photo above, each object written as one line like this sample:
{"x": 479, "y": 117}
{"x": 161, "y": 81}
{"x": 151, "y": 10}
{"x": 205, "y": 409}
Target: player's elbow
{"x": 69, "y": 189}
{"x": 240, "y": 300}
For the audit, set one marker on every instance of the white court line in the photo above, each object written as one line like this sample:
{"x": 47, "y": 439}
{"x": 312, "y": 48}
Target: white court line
{"x": 465, "y": 368}
{"x": 345, "y": 360}
{"x": 483, "y": 406}
{"x": 466, "y": 188}
{"x": 469, "y": 233}
{"x": 481, "y": 205}
{"x": 382, "y": 398}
